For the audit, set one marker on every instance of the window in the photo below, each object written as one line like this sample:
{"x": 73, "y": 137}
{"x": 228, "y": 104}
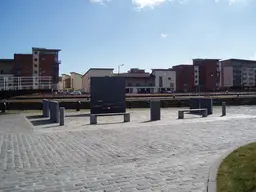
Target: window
{"x": 35, "y": 72}
{"x": 169, "y": 78}
{"x": 160, "y": 81}
{"x": 36, "y": 52}
{"x": 35, "y": 65}
{"x": 2, "y": 71}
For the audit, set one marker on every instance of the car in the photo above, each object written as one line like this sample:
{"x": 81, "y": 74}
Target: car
{"x": 76, "y": 93}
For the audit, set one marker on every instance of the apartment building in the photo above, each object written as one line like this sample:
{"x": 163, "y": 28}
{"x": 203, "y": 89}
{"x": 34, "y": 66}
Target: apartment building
{"x": 36, "y": 70}
{"x": 76, "y": 81}
{"x": 165, "y": 80}
{"x": 138, "y": 81}
{"x": 66, "y": 82}
{"x": 206, "y": 74}
{"x": 237, "y": 73}
{"x": 185, "y": 81}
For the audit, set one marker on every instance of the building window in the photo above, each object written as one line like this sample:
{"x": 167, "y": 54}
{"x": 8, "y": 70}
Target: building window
{"x": 35, "y": 59}
{"x": 35, "y": 72}
{"x": 2, "y": 71}
{"x": 169, "y": 78}
{"x": 160, "y": 81}
{"x": 35, "y": 65}
{"x": 36, "y": 52}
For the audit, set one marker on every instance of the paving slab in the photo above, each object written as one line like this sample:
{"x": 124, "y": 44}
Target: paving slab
{"x": 167, "y": 155}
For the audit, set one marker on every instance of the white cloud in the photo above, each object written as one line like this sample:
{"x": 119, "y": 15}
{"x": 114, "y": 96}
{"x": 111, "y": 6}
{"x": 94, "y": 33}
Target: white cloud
{"x": 140, "y": 4}
{"x": 164, "y": 35}
{"x": 102, "y": 2}
{"x": 232, "y": 2}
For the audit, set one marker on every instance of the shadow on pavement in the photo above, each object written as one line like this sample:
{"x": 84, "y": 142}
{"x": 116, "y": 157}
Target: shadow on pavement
{"x": 41, "y": 122}
{"x": 78, "y": 115}
{"x": 34, "y": 116}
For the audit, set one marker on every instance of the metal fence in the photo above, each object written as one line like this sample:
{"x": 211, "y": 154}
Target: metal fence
{"x": 27, "y": 82}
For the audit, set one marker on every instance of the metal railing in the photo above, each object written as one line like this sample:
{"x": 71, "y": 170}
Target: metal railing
{"x": 25, "y": 82}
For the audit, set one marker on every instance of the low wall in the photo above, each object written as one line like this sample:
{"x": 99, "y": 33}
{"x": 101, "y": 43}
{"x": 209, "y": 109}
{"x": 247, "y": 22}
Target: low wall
{"x": 37, "y": 105}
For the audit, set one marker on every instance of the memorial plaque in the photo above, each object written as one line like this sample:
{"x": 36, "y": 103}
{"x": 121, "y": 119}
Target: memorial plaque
{"x": 107, "y": 95}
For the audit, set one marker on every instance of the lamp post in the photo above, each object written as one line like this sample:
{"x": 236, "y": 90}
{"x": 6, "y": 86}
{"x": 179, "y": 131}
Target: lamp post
{"x": 119, "y": 68}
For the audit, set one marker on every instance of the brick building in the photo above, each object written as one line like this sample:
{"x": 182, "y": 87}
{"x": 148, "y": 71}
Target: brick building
{"x": 6, "y": 66}
{"x": 138, "y": 81}
{"x": 237, "y": 74}
{"x": 206, "y": 75}
{"x": 41, "y": 63}
{"x": 184, "y": 78}
{"x": 30, "y": 71}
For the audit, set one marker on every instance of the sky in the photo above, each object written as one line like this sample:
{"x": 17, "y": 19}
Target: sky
{"x": 143, "y": 34}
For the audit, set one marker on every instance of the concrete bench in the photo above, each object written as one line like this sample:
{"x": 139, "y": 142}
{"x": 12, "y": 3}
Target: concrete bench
{"x": 93, "y": 117}
{"x": 181, "y": 112}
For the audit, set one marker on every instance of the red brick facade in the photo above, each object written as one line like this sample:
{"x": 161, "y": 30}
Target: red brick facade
{"x": 208, "y": 75}
{"x": 184, "y": 78}
{"x": 23, "y": 65}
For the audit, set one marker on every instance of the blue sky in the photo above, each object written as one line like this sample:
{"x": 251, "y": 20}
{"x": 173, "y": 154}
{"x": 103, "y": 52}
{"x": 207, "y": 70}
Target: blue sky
{"x": 137, "y": 33}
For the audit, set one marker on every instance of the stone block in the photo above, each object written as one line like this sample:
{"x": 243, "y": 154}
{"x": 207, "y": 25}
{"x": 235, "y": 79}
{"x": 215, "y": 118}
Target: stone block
{"x": 62, "y": 116}
{"x": 155, "y": 110}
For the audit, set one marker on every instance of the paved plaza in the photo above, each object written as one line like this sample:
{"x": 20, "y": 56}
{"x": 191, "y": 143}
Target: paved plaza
{"x": 168, "y": 155}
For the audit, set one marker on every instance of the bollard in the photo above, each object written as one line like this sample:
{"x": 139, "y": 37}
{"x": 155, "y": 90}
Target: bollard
{"x": 62, "y": 116}
{"x": 223, "y": 108}
{"x": 51, "y": 111}
{"x": 46, "y": 110}
{"x": 155, "y": 108}
{"x": 57, "y": 111}
{"x": 54, "y": 112}
{"x": 78, "y": 105}
{"x": 3, "y": 107}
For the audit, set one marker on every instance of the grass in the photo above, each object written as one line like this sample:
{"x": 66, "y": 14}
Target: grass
{"x": 237, "y": 173}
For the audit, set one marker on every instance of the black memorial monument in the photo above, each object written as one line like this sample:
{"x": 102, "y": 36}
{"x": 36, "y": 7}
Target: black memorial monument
{"x": 107, "y": 95}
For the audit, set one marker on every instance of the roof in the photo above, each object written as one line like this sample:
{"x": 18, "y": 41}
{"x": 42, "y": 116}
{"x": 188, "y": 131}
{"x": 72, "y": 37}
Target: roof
{"x": 134, "y": 75}
{"x": 45, "y": 49}
{"x": 161, "y": 70}
{"x": 182, "y": 65}
{"x": 205, "y": 59}
{"x": 7, "y": 60}
{"x": 77, "y": 73}
{"x": 107, "y": 69}
{"x": 243, "y": 60}
{"x": 65, "y": 74}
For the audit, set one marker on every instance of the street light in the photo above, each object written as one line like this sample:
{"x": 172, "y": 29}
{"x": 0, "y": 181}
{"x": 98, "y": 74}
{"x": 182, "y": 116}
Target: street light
{"x": 119, "y": 67}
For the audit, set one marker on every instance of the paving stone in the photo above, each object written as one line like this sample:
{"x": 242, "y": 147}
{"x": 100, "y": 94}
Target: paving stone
{"x": 164, "y": 155}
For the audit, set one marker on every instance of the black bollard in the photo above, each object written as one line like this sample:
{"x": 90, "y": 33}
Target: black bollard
{"x": 3, "y": 107}
{"x": 78, "y": 105}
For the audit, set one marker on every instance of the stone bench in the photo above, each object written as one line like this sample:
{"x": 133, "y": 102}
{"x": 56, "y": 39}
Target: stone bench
{"x": 181, "y": 112}
{"x": 93, "y": 117}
